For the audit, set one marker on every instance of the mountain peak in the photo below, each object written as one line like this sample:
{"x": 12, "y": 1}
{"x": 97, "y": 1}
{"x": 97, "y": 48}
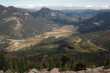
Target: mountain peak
{"x": 12, "y": 8}
{"x": 44, "y": 8}
{"x": 2, "y": 8}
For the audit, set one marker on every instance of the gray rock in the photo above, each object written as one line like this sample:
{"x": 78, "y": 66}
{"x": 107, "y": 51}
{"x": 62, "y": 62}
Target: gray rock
{"x": 82, "y": 71}
{"x": 44, "y": 71}
{"x": 33, "y": 71}
{"x": 1, "y": 72}
{"x": 68, "y": 72}
{"x": 8, "y": 71}
{"x": 55, "y": 70}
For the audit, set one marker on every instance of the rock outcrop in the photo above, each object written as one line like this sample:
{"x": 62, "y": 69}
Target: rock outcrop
{"x": 56, "y": 70}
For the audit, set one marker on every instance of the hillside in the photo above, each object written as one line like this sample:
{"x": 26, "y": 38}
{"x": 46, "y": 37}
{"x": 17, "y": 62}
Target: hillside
{"x": 100, "y": 38}
{"x": 59, "y": 48}
{"x": 65, "y": 53}
{"x": 99, "y": 22}
{"x": 22, "y": 23}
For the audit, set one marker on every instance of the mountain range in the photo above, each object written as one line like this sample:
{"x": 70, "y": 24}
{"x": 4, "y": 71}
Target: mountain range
{"x": 54, "y": 38}
{"x": 23, "y": 23}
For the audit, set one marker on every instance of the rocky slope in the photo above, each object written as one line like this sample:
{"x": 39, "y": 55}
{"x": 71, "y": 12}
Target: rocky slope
{"x": 56, "y": 70}
{"x": 21, "y": 23}
{"x": 99, "y": 38}
{"x": 99, "y": 22}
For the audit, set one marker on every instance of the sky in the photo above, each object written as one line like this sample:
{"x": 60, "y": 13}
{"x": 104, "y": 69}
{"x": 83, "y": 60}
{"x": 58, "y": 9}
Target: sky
{"x": 57, "y": 3}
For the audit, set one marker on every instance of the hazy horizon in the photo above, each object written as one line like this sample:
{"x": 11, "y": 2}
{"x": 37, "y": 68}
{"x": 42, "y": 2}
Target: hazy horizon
{"x": 95, "y": 4}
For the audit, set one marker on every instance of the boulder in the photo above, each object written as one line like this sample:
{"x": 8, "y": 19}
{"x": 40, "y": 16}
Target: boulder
{"x": 33, "y": 71}
{"x": 55, "y": 70}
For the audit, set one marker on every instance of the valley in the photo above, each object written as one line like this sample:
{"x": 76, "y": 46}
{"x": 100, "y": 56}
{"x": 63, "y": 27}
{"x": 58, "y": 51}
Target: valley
{"x": 73, "y": 40}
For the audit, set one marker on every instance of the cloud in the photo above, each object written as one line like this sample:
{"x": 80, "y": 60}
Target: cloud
{"x": 61, "y": 3}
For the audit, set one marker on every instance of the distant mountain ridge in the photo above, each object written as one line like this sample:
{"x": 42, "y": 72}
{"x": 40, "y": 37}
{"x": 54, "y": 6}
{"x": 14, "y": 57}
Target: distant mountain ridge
{"x": 100, "y": 22}
{"x": 21, "y": 23}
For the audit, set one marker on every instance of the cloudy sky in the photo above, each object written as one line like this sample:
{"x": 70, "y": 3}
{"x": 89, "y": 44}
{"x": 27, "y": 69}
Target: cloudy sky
{"x": 61, "y": 3}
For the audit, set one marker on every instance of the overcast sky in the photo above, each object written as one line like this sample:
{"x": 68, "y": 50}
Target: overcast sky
{"x": 62, "y": 3}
